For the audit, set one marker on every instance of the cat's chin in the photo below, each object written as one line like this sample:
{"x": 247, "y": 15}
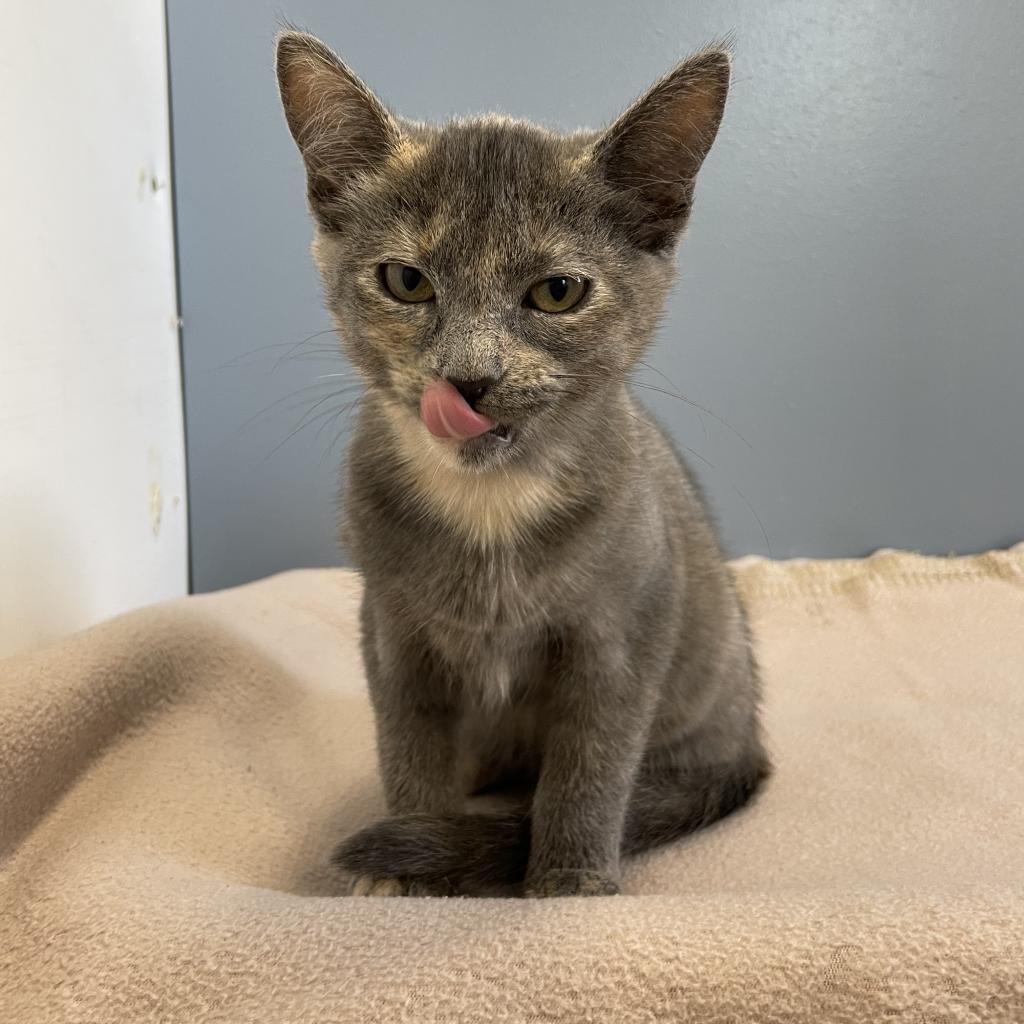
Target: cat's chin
{"x": 498, "y": 447}
{"x": 495, "y": 447}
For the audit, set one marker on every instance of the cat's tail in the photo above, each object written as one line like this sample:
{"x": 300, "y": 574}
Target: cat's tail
{"x": 465, "y": 852}
{"x": 670, "y": 805}
{"x": 471, "y": 852}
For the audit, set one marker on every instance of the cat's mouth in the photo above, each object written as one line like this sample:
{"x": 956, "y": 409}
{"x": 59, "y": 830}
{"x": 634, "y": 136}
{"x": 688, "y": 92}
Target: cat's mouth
{"x": 498, "y": 438}
{"x": 448, "y": 415}
{"x": 494, "y": 447}
{"x": 478, "y": 438}
{"x": 502, "y": 433}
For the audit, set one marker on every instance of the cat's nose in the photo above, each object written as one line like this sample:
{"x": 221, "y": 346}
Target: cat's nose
{"x": 473, "y": 390}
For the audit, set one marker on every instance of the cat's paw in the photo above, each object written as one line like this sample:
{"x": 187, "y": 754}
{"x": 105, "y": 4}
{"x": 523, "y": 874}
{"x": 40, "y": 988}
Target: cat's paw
{"x": 364, "y": 885}
{"x": 570, "y": 882}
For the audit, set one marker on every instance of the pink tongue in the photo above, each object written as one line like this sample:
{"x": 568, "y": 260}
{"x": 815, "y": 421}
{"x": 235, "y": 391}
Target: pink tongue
{"x": 447, "y": 414}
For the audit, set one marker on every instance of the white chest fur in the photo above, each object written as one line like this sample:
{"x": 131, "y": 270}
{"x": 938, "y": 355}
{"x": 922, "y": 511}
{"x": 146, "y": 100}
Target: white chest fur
{"x": 487, "y": 507}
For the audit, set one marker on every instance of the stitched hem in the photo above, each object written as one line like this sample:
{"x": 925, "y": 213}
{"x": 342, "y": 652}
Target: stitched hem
{"x": 800, "y": 577}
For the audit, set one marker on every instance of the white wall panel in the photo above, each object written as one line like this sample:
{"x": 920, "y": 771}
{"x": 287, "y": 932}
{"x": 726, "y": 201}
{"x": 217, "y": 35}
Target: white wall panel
{"x": 92, "y": 472}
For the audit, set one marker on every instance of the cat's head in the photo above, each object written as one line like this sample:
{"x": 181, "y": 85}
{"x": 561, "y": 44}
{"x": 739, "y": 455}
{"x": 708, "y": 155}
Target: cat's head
{"x": 493, "y": 281}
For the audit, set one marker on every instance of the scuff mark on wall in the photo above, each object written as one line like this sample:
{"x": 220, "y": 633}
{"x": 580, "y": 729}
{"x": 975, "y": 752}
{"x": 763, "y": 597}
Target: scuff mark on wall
{"x": 156, "y": 494}
{"x": 156, "y": 507}
{"x": 149, "y": 183}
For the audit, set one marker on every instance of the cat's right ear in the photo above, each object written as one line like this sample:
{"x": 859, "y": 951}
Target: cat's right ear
{"x": 652, "y": 153}
{"x": 340, "y": 127}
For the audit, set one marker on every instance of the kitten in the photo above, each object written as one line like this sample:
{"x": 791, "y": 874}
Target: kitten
{"x": 545, "y": 600}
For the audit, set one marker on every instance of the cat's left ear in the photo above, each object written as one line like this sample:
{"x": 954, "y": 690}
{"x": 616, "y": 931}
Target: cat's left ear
{"x": 652, "y": 153}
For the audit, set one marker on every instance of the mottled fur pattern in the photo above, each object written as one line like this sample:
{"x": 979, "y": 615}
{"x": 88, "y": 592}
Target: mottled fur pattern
{"x": 552, "y": 613}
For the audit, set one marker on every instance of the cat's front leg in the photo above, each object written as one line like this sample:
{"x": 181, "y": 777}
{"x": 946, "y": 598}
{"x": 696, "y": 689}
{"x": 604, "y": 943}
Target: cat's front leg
{"x": 416, "y": 722}
{"x": 600, "y": 716}
{"x": 415, "y": 714}
{"x": 416, "y": 748}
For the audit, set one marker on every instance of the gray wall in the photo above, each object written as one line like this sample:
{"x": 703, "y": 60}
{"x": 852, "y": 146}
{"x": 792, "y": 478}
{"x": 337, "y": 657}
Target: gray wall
{"x": 851, "y": 298}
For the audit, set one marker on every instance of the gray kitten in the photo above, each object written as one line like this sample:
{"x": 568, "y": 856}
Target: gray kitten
{"x": 546, "y": 610}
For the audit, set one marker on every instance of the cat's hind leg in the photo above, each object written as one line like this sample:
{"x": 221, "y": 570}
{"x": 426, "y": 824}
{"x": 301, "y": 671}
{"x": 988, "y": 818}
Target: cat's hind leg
{"x": 668, "y": 802}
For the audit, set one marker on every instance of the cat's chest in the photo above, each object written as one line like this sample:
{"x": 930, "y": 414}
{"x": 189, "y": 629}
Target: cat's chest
{"x": 493, "y": 669}
{"x": 490, "y": 626}
{"x": 490, "y": 592}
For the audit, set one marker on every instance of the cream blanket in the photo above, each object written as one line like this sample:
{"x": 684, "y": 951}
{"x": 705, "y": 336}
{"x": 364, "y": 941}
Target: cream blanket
{"x": 172, "y": 782}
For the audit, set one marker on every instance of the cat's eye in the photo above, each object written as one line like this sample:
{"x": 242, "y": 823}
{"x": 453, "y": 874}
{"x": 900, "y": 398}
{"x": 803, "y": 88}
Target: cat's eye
{"x": 557, "y": 294}
{"x": 406, "y": 283}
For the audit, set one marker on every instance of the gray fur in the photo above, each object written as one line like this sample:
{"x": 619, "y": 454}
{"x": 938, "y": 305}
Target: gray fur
{"x": 553, "y": 611}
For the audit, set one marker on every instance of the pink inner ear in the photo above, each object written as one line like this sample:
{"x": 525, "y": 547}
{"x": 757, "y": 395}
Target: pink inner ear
{"x": 653, "y": 152}
{"x": 339, "y": 125}
{"x": 445, "y": 413}
{"x": 667, "y": 133}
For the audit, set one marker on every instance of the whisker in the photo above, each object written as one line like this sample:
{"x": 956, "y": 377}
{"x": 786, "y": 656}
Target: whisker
{"x": 675, "y": 387}
{"x": 651, "y": 387}
{"x": 691, "y": 451}
{"x": 299, "y": 344}
{"x": 707, "y": 462}
{"x": 339, "y": 412}
{"x": 235, "y": 360}
{"x": 764, "y": 532}
{"x": 664, "y": 376}
{"x": 696, "y": 405}
{"x": 341, "y": 393}
{"x": 347, "y": 410}
{"x": 294, "y": 395}
{"x": 307, "y": 422}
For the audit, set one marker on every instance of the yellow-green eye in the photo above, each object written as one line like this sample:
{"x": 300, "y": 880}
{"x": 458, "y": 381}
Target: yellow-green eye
{"x": 556, "y": 294}
{"x": 406, "y": 283}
